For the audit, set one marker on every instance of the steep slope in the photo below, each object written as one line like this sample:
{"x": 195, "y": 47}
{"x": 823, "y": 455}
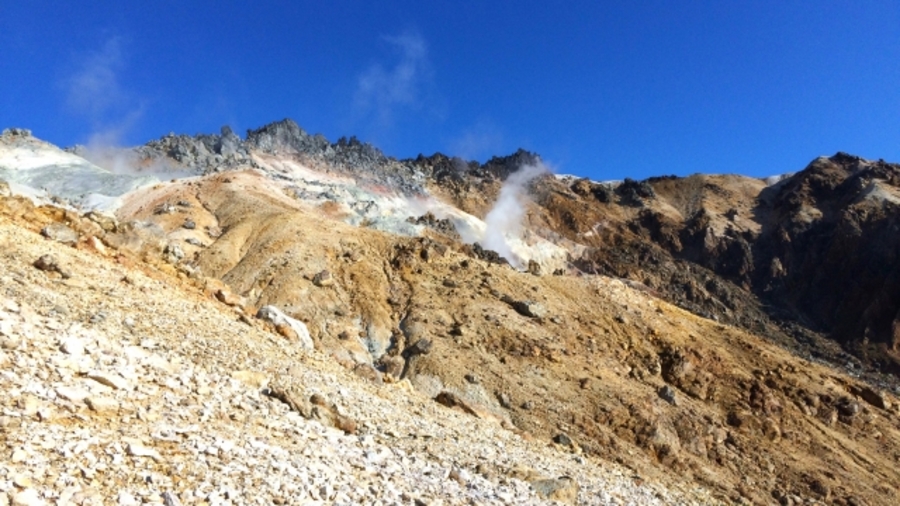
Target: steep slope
{"x": 810, "y": 257}
{"x": 123, "y": 382}
{"x": 591, "y": 360}
{"x": 597, "y": 366}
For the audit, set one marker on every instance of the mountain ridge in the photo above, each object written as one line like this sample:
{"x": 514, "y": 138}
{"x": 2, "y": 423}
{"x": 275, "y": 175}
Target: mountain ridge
{"x": 580, "y": 347}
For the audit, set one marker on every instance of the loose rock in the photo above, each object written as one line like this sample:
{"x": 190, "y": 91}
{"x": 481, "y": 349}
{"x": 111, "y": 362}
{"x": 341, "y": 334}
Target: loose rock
{"x": 60, "y": 233}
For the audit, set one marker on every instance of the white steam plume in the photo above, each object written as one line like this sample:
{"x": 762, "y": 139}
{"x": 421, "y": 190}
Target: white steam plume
{"x": 94, "y": 91}
{"x": 384, "y": 91}
{"x": 504, "y": 221}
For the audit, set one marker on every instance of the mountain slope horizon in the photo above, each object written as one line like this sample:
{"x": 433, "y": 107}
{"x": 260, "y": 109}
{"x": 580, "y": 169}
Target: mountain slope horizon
{"x": 687, "y": 328}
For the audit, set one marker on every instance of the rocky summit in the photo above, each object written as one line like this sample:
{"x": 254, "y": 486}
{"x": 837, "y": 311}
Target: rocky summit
{"x": 279, "y": 319}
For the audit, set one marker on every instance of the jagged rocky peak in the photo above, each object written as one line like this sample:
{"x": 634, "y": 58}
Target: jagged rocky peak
{"x": 280, "y": 135}
{"x": 443, "y": 167}
{"x": 16, "y": 132}
{"x": 503, "y": 166}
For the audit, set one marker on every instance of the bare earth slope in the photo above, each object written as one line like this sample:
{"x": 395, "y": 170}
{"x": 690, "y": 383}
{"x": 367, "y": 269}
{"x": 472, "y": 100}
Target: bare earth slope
{"x": 127, "y": 384}
{"x": 593, "y": 363}
{"x": 585, "y": 365}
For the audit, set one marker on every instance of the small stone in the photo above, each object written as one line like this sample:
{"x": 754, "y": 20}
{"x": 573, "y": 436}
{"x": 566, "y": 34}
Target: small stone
{"x": 420, "y": 347}
{"x": 529, "y": 308}
{"x": 170, "y": 499}
{"x": 137, "y": 450}
{"x": 60, "y": 233}
{"x": 848, "y": 407}
{"x": 22, "y": 481}
{"x": 252, "y": 379}
{"x": 106, "y": 221}
{"x": 19, "y": 455}
{"x": 471, "y": 378}
{"x": 562, "y": 489}
{"x": 72, "y": 346}
{"x": 72, "y": 394}
{"x": 45, "y": 413}
{"x": 48, "y": 263}
{"x": 667, "y": 394}
{"x": 229, "y": 298}
{"x": 29, "y": 405}
{"x": 392, "y": 366}
{"x": 189, "y": 224}
{"x": 96, "y": 245}
{"x": 369, "y": 373}
{"x": 102, "y": 404}
{"x": 10, "y": 342}
{"x": 173, "y": 253}
{"x": 27, "y": 497}
{"x": 323, "y": 279}
{"x": 109, "y": 379}
{"x": 277, "y": 318}
{"x": 562, "y": 439}
{"x": 126, "y": 499}
{"x": 875, "y": 397}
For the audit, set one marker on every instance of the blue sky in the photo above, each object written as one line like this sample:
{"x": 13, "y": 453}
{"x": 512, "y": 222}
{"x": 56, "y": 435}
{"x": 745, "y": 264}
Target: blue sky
{"x": 601, "y": 89}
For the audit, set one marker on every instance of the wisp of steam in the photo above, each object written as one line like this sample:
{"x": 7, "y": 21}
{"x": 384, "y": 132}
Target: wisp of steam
{"x": 504, "y": 221}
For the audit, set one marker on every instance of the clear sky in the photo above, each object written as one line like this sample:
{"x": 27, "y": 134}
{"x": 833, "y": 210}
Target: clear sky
{"x": 599, "y": 88}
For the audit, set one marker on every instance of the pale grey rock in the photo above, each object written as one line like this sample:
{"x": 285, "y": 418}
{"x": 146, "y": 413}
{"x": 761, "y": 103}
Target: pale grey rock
{"x": 101, "y": 404}
{"x": 72, "y": 346}
{"x": 138, "y": 450}
{"x": 29, "y": 405}
{"x": 109, "y": 379}
{"x": 27, "y": 497}
{"x": 173, "y": 253}
{"x": 60, "y": 233}
{"x": 72, "y": 394}
{"x": 274, "y": 316}
{"x": 170, "y": 499}
{"x": 126, "y": 499}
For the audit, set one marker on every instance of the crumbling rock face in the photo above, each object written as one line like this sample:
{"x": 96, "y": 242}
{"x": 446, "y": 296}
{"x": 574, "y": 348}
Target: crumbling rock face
{"x": 813, "y": 255}
{"x": 834, "y": 239}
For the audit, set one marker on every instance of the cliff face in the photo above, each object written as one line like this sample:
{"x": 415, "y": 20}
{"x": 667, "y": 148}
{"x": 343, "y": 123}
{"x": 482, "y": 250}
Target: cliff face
{"x": 831, "y": 246}
{"x": 812, "y": 256}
